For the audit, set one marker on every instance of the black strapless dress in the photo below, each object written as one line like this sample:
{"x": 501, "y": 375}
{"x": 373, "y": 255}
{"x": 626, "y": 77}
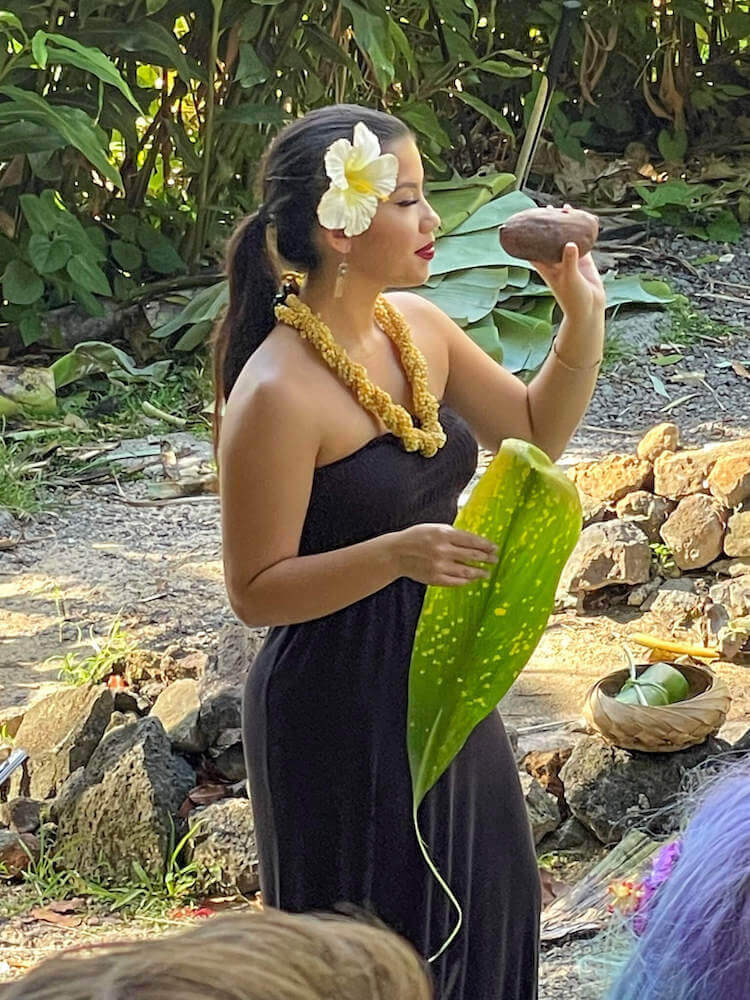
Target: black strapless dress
{"x": 325, "y": 746}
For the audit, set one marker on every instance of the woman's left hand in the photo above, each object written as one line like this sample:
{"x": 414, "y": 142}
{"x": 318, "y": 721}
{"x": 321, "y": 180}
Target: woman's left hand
{"x": 575, "y": 283}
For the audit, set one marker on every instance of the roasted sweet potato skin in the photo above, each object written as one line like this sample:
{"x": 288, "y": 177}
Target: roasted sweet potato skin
{"x": 541, "y": 233}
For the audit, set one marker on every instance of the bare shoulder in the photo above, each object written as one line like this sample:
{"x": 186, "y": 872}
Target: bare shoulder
{"x": 421, "y": 314}
{"x": 410, "y": 303}
{"x": 271, "y": 399}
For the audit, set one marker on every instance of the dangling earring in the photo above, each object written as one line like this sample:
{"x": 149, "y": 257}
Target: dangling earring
{"x": 338, "y": 288}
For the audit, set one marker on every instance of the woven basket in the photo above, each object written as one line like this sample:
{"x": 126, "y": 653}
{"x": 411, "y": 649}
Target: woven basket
{"x": 659, "y": 728}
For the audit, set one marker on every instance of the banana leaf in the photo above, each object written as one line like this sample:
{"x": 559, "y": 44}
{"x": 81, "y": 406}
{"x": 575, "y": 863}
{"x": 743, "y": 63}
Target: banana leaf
{"x": 95, "y": 356}
{"x": 473, "y": 641}
{"x": 485, "y": 335}
{"x": 24, "y": 388}
{"x": 456, "y": 199}
{"x": 525, "y": 338}
{"x": 468, "y": 296}
{"x": 494, "y": 214}
{"x": 631, "y": 288}
{"x": 480, "y": 249}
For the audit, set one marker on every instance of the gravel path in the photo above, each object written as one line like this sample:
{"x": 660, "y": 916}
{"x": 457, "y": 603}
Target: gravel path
{"x": 564, "y": 974}
{"x": 673, "y": 366}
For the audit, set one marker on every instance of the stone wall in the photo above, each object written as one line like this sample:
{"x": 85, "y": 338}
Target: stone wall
{"x": 672, "y": 525}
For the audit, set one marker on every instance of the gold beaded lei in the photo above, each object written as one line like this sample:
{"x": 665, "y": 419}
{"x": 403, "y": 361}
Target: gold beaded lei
{"x": 427, "y": 438}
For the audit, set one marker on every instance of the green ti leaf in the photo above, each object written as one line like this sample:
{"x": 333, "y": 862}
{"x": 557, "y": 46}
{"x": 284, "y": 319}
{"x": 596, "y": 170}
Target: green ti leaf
{"x": 499, "y": 120}
{"x": 374, "y": 40}
{"x": 72, "y": 124}
{"x": 473, "y": 641}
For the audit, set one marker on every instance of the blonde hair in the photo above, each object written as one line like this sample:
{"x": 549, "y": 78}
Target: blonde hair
{"x": 265, "y": 956}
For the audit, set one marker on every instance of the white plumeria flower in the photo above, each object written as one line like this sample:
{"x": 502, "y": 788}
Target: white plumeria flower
{"x": 361, "y": 176}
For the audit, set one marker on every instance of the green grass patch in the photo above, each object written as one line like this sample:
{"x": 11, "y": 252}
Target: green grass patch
{"x": 143, "y": 895}
{"x": 616, "y": 350}
{"x": 104, "y": 408}
{"x": 107, "y": 652}
{"x": 35, "y": 454}
{"x": 691, "y": 326}
{"x": 22, "y": 487}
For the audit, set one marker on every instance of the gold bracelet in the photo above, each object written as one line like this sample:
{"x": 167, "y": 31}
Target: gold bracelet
{"x": 580, "y": 368}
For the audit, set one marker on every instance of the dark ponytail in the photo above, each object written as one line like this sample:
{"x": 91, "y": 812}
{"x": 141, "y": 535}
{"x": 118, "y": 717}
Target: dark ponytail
{"x": 293, "y": 180}
{"x": 249, "y": 317}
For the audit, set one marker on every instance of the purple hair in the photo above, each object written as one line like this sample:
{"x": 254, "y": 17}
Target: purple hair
{"x": 696, "y": 943}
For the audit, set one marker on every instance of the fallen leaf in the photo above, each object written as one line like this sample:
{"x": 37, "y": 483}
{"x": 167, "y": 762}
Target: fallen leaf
{"x": 74, "y": 905}
{"x": 678, "y": 402}
{"x": 689, "y": 378}
{"x": 74, "y": 421}
{"x": 190, "y": 912}
{"x": 169, "y": 461}
{"x": 203, "y": 795}
{"x": 51, "y": 916}
{"x": 667, "y": 359}
{"x": 234, "y": 902}
{"x": 739, "y": 369}
{"x": 658, "y": 385}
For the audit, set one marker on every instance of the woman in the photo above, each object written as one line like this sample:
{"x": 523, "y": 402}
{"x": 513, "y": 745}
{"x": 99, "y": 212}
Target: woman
{"x": 337, "y": 510}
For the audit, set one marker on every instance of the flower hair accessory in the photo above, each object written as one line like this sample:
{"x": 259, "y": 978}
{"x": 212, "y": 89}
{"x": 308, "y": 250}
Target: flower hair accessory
{"x": 360, "y": 176}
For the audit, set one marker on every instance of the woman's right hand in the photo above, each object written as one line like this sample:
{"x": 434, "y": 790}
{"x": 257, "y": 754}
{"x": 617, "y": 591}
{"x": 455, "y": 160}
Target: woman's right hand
{"x": 439, "y": 554}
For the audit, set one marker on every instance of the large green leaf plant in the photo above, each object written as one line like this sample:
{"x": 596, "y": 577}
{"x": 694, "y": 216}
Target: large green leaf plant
{"x": 498, "y": 299}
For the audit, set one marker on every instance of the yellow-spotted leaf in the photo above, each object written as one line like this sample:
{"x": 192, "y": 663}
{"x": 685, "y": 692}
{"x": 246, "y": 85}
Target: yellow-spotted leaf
{"x": 473, "y": 641}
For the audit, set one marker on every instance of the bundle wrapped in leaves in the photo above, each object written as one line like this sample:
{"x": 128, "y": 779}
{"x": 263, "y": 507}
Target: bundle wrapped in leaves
{"x": 473, "y": 641}
{"x": 659, "y": 684}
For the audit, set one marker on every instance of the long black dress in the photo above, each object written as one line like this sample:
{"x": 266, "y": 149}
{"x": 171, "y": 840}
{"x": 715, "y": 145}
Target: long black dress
{"x": 325, "y": 747}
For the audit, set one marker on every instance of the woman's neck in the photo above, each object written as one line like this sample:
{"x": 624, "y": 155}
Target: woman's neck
{"x": 349, "y": 317}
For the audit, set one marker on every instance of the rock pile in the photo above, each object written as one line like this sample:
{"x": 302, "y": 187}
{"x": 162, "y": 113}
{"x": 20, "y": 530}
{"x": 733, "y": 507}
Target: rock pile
{"x": 123, "y": 769}
{"x": 590, "y": 793}
{"x": 673, "y": 525}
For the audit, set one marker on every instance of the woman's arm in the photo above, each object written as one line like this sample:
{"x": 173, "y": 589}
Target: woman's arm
{"x": 497, "y": 404}
{"x": 560, "y": 392}
{"x": 268, "y": 447}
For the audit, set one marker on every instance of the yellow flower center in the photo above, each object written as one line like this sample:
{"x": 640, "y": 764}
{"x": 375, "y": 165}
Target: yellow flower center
{"x": 358, "y": 182}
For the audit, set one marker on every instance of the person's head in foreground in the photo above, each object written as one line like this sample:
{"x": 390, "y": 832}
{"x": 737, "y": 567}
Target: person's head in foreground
{"x": 264, "y": 956}
{"x": 695, "y": 932}
{"x": 341, "y": 193}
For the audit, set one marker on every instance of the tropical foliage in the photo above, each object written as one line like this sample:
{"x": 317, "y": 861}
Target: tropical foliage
{"x": 496, "y": 298}
{"x": 130, "y": 133}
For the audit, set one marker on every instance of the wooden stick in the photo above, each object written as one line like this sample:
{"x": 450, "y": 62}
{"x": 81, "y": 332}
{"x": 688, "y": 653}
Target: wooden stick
{"x": 671, "y": 646}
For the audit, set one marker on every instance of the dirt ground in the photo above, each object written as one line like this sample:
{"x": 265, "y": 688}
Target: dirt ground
{"x": 158, "y": 569}
{"x": 107, "y": 552}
